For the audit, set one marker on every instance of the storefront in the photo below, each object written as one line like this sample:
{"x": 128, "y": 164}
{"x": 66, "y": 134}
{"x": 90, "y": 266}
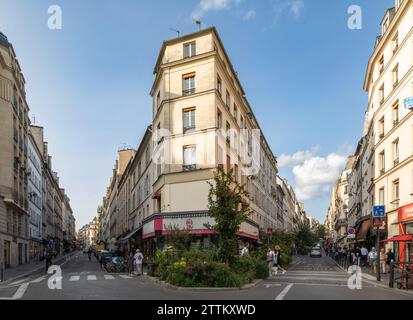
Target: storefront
{"x": 156, "y": 228}
{"x": 404, "y": 248}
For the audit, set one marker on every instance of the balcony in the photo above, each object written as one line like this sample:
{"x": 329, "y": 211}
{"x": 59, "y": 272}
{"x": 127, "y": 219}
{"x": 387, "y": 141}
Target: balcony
{"x": 190, "y": 128}
{"x": 382, "y": 172}
{"x": 188, "y": 92}
{"x": 395, "y": 122}
{"x": 381, "y": 135}
{"x": 395, "y": 83}
{"x": 341, "y": 223}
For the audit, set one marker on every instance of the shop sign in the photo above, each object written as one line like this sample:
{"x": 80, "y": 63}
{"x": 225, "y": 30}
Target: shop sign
{"x": 406, "y": 213}
{"x": 408, "y": 103}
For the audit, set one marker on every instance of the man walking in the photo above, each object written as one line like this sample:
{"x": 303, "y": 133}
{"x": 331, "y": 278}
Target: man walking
{"x": 48, "y": 259}
{"x": 138, "y": 260}
{"x": 364, "y": 254}
{"x": 373, "y": 259}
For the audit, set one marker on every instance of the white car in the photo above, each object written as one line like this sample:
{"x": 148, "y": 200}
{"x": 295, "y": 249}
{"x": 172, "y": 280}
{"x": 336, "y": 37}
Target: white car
{"x": 315, "y": 252}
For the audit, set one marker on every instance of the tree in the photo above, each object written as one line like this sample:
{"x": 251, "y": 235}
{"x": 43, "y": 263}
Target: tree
{"x": 225, "y": 206}
{"x": 321, "y": 231}
{"x": 304, "y": 237}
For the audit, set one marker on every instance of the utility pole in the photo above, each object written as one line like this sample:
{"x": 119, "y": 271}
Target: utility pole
{"x": 378, "y": 253}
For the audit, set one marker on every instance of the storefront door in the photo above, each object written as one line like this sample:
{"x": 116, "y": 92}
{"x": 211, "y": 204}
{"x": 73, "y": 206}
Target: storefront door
{"x": 7, "y": 254}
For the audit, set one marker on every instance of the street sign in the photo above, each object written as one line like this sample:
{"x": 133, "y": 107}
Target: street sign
{"x": 379, "y": 212}
{"x": 351, "y": 233}
{"x": 408, "y": 103}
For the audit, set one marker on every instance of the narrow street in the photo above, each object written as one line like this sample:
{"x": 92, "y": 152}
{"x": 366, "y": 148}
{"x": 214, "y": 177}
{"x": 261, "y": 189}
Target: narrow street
{"x": 307, "y": 278}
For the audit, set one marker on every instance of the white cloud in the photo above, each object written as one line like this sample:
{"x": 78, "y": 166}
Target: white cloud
{"x": 294, "y": 7}
{"x": 297, "y": 158}
{"x": 212, "y": 5}
{"x": 315, "y": 176}
{"x": 250, "y": 15}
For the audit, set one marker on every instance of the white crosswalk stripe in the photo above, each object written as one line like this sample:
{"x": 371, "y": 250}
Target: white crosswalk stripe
{"x": 109, "y": 277}
{"x": 91, "y": 278}
{"x": 74, "y": 278}
{"x": 125, "y": 276}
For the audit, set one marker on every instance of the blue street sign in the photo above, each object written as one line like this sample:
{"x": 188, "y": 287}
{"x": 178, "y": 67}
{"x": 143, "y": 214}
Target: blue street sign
{"x": 379, "y": 212}
{"x": 408, "y": 103}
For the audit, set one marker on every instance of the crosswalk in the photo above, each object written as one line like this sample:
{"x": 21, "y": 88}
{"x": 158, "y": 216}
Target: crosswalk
{"x": 315, "y": 277}
{"x": 84, "y": 277}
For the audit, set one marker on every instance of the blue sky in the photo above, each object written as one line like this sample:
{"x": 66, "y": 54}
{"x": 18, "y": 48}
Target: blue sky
{"x": 88, "y": 84}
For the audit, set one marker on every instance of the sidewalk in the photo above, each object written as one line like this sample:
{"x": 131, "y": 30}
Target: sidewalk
{"x": 22, "y": 271}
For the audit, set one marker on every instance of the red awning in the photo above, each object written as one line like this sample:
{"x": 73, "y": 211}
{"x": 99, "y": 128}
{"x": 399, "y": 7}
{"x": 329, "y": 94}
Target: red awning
{"x": 402, "y": 238}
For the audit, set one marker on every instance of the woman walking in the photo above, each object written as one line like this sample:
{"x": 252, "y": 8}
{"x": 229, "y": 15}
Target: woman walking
{"x": 277, "y": 259}
{"x": 383, "y": 261}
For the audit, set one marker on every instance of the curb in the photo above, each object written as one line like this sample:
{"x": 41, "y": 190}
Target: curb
{"x": 35, "y": 271}
{"x": 176, "y": 288}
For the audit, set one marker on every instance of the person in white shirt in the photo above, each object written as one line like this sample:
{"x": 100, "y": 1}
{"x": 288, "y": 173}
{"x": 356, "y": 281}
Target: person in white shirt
{"x": 138, "y": 261}
{"x": 364, "y": 255}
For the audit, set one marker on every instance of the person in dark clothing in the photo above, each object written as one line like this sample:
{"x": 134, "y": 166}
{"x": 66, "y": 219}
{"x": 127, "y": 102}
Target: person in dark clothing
{"x": 357, "y": 256}
{"x": 48, "y": 259}
{"x": 391, "y": 257}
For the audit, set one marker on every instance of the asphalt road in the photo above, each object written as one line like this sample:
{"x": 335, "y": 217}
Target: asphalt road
{"x": 306, "y": 279}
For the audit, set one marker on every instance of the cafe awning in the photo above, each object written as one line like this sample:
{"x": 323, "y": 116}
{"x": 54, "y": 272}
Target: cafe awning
{"x": 364, "y": 229}
{"x": 130, "y": 235}
{"x": 402, "y": 238}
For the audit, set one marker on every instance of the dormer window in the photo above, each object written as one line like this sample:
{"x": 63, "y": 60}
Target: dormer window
{"x": 189, "y": 50}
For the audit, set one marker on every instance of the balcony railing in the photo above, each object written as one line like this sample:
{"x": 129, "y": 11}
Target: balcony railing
{"x": 382, "y": 172}
{"x": 190, "y": 128}
{"x": 395, "y": 122}
{"x": 190, "y": 167}
{"x": 341, "y": 223}
{"x": 188, "y": 92}
{"x": 396, "y": 162}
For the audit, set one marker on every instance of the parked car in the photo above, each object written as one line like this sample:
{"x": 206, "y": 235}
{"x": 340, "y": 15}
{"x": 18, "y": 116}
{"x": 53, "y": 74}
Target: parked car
{"x": 315, "y": 252}
{"x": 105, "y": 255}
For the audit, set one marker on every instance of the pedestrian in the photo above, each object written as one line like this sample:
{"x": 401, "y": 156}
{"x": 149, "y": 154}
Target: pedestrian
{"x": 372, "y": 259}
{"x": 138, "y": 261}
{"x": 270, "y": 261}
{"x": 391, "y": 258}
{"x": 48, "y": 259}
{"x": 277, "y": 259}
{"x": 244, "y": 250}
{"x": 383, "y": 261}
{"x": 364, "y": 254}
{"x": 130, "y": 263}
{"x": 357, "y": 254}
{"x": 89, "y": 254}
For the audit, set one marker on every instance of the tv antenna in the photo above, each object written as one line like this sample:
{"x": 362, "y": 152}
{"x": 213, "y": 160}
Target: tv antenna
{"x": 177, "y": 31}
{"x": 198, "y": 23}
{"x": 34, "y": 119}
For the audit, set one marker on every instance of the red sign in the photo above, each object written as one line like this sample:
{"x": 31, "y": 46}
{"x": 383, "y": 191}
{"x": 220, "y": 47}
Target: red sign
{"x": 406, "y": 213}
{"x": 269, "y": 232}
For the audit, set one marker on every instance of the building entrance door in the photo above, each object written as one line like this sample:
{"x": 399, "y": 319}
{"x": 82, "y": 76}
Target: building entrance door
{"x": 20, "y": 254}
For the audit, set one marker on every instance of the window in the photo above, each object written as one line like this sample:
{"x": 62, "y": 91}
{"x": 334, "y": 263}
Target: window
{"x": 396, "y": 152}
{"x": 189, "y": 50}
{"x": 242, "y": 122}
{"x": 228, "y": 99}
{"x": 395, "y": 43}
{"x": 189, "y": 158}
{"x": 188, "y": 84}
{"x": 396, "y": 195}
{"x": 158, "y": 100}
{"x": 228, "y": 163}
{"x": 381, "y": 65}
{"x": 235, "y": 113}
{"x": 382, "y": 163}
{"x": 381, "y": 196}
{"x": 219, "y": 120}
{"x": 395, "y": 76}
{"x": 381, "y": 94}
{"x": 228, "y": 133}
{"x": 395, "y": 113}
{"x": 219, "y": 86}
{"x": 381, "y": 128}
{"x": 236, "y": 173}
{"x": 189, "y": 119}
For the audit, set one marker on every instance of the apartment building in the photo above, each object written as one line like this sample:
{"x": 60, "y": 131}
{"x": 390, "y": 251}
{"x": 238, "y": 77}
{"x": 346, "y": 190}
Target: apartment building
{"x": 14, "y": 123}
{"x": 35, "y": 197}
{"x": 389, "y": 83}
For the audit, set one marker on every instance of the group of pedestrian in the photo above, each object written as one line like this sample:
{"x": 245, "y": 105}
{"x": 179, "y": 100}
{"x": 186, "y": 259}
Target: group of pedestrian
{"x": 274, "y": 261}
{"x": 244, "y": 250}
{"x": 385, "y": 259}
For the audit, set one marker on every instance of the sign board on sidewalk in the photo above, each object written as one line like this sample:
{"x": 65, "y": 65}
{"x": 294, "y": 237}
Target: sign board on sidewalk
{"x": 379, "y": 212}
{"x": 408, "y": 103}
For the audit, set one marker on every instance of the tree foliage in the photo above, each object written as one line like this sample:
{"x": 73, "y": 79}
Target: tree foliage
{"x": 225, "y": 206}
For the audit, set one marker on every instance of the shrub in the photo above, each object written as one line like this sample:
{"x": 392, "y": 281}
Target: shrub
{"x": 261, "y": 269}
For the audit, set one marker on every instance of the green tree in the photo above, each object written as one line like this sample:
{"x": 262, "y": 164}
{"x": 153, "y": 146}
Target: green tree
{"x": 321, "y": 231}
{"x": 224, "y": 205}
{"x": 304, "y": 237}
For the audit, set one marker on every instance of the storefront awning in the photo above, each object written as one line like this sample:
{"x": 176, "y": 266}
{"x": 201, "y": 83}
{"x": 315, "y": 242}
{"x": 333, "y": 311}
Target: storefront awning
{"x": 130, "y": 235}
{"x": 402, "y": 238}
{"x": 364, "y": 229}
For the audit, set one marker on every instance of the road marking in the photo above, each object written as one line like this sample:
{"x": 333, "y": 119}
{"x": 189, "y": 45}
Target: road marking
{"x": 38, "y": 280}
{"x": 91, "y": 278}
{"x": 74, "y": 278}
{"x": 272, "y": 285}
{"x": 125, "y": 276}
{"x": 283, "y": 293}
{"x": 17, "y": 282}
{"x": 109, "y": 277}
{"x": 20, "y": 292}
